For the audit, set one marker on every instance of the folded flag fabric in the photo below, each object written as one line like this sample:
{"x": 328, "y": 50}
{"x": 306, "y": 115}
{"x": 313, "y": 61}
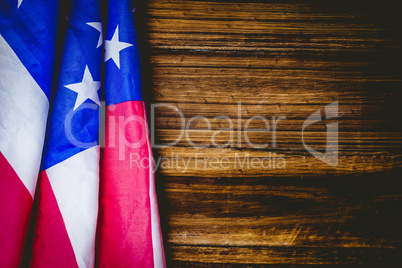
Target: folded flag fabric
{"x": 27, "y": 52}
{"x": 69, "y": 181}
{"x": 129, "y": 230}
{"x": 87, "y": 198}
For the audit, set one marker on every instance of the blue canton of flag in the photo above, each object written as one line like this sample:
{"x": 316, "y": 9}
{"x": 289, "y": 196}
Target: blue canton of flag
{"x": 77, "y": 96}
{"x": 122, "y": 58}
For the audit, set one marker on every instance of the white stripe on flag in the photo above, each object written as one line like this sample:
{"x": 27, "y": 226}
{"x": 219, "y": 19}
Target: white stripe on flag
{"x": 157, "y": 245}
{"x": 75, "y": 184}
{"x": 24, "y": 109}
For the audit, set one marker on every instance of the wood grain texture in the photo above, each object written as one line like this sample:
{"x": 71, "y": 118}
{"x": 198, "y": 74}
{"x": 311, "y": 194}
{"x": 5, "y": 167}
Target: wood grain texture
{"x": 217, "y": 67}
{"x": 349, "y": 219}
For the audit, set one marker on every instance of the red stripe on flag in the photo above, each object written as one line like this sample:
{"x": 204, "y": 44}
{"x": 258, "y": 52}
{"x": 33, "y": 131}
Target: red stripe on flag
{"x": 52, "y": 246}
{"x": 16, "y": 205}
{"x": 125, "y": 234}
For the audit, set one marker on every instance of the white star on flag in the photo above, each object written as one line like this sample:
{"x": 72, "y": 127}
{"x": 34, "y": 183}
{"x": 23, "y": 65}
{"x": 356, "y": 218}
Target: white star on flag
{"x": 87, "y": 89}
{"x": 97, "y": 26}
{"x": 19, "y": 3}
{"x": 114, "y": 46}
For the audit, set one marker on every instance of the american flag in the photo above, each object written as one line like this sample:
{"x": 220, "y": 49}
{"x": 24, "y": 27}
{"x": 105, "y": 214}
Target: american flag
{"x": 128, "y": 205}
{"x": 83, "y": 204}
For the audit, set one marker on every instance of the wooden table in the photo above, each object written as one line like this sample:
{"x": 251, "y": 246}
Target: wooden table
{"x": 234, "y": 82}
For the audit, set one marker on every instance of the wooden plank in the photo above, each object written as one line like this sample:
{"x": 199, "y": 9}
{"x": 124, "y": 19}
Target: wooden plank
{"x": 193, "y": 256}
{"x": 285, "y": 43}
{"x": 259, "y": 27}
{"x": 258, "y": 86}
{"x": 241, "y": 10}
{"x": 286, "y": 140}
{"x": 232, "y": 162}
{"x": 284, "y": 212}
{"x": 269, "y": 61}
{"x": 288, "y": 116}
{"x": 338, "y": 214}
{"x": 219, "y": 73}
{"x": 262, "y": 27}
{"x": 164, "y": 124}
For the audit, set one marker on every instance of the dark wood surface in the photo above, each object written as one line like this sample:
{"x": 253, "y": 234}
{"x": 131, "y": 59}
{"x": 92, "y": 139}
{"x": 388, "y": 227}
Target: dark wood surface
{"x": 277, "y": 58}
